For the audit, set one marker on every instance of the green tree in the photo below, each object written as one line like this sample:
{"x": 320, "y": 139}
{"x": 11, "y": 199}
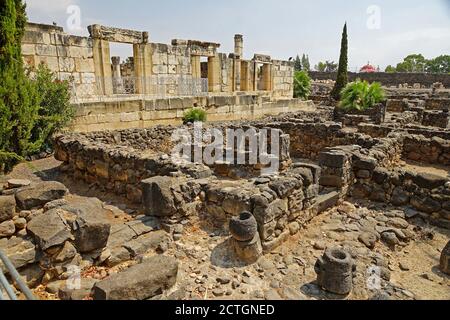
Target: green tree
{"x": 30, "y": 109}
{"x": 321, "y": 66}
{"x": 302, "y": 85}
{"x": 390, "y": 69}
{"x": 342, "y": 76}
{"x": 412, "y": 63}
{"x": 439, "y": 64}
{"x": 297, "y": 64}
{"x": 305, "y": 63}
{"x": 330, "y": 66}
{"x": 19, "y": 101}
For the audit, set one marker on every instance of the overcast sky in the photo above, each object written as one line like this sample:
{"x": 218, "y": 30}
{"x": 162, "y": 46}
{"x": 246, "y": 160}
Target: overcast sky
{"x": 380, "y": 31}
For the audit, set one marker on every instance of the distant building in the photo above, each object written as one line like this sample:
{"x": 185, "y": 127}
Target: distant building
{"x": 368, "y": 68}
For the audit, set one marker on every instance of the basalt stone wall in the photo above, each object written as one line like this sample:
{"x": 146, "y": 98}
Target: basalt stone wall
{"x": 389, "y": 79}
{"x": 117, "y": 168}
{"x": 424, "y": 192}
{"x": 361, "y": 176}
{"x": 381, "y": 131}
{"x": 281, "y": 204}
{"x": 377, "y": 114}
{"x": 426, "y": 150}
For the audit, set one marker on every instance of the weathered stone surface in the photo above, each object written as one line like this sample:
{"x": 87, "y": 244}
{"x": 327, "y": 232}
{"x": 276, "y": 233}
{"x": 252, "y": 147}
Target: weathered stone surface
{"x": 49, "y": 229}
{"x": 335, "y": 271}
{"x": 7, "y": 229}
{"x": 21, "y": 252}
{"x": 39, "y": 194}
{"x": 158, "y": 198}
{"x": 140, "y": 282}
{"x": 7, "y": 207}
{"x": 18, "y": 183}
{"x": 248, "y": 251}
{"x": 146, "y": 242}
{"x": 445, "y": 259}
{"x": 91, "y": 231}
{"x": 118, "y": 256}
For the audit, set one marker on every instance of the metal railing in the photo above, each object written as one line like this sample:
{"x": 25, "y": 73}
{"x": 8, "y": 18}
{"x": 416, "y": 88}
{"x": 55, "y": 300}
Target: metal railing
{"x": 158, "y": 86}
{"x": 16, "y": 278}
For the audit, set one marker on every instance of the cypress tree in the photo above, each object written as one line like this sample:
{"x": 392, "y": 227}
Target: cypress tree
{"x": 297, "y": 64}
{"x": 342, "y": 75}
{"x": 19, "y": 102}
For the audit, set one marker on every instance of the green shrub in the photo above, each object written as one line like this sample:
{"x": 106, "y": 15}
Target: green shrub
{"x": 194, "y": 115}
{"x": 30, "y": 109}
{"x": 55, "y": 110}
{"x": 302, "y": 85}
{"x": 360, "y": 95}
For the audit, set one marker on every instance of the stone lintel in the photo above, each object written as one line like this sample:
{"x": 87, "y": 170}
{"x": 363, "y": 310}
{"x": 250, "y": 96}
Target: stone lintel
{"x": 117, "y": 35}
{"x": 262, "y": 58}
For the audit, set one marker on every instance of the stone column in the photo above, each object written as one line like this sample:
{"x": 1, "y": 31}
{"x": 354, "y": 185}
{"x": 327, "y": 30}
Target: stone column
{"x": 103, "y": 68}
{"x": 196, "y": 67}
{"x": 214, "y": 74}
{"x": 238, "y": 55}
{"x": 267, "y": 77}
{"x": 117, "y": 75}
{"x": 245, "y": 76}
{"x": 143, "y": 68}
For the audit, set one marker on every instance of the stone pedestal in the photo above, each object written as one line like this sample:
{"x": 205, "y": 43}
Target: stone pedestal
{"x": 248, "y": 251}
{"x": 335, "y": 271}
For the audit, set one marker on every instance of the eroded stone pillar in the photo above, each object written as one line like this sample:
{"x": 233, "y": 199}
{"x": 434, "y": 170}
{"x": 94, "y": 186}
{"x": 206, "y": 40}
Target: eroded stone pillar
{"x": 245, "y": 76}
{"x": 214, "y": 74}
{"x": 117, "y": 75}
{"x": 103, "y": 68}
{"x": 267, "y": 77}
{"x": 196, "y": 67}
{"x": 143, "y": 68}
{"x": 238, "y": 53}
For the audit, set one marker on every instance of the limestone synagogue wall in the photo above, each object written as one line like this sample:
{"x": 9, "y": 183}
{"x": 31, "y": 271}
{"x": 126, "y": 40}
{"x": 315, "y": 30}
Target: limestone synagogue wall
{"x": 182, "y": 68}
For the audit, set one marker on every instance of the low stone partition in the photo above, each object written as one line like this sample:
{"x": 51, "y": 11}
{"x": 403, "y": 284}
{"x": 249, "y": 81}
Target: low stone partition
{"x": 119, "y": 114}
{"x": 281, "y": 204}
{"x": 381, "y": 131}
{"x": 117, "y": 168}
{"x": 440, "y": 119}
{"x": 427, "y": 193}
{"x": 362, "y": 176}
{"x": 425, "y": 150}
{"x": 376, "y": 114}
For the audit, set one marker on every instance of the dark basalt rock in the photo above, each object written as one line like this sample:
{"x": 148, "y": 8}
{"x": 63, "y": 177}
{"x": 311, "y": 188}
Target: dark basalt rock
{"x": 335, "y": 271}
{"x": 244, "y": 227}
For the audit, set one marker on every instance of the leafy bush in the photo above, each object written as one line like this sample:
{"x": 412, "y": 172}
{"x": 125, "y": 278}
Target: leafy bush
{"x": 194, "y": 115}
{"x": 302, "y": 85}
{"x": 360, "y": 95}
{"x": 55, "y": 111}
{"x": 30, "y": 109}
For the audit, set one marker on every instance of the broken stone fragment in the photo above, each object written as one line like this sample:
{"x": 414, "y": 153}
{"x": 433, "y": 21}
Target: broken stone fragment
{"x": 49, "y": 229}
{"x": 140, "y": 282}
{"x": 18, "y": 183}
{"x": 7, "y": 229}
{"x": 158, "y": 198}
{"x": 7, "y": 207}
{"x": 445, "y": 259}
{"x": 20, "y": 251}
{"x": 36, "y": 196}
{"x": 91, "y": 231}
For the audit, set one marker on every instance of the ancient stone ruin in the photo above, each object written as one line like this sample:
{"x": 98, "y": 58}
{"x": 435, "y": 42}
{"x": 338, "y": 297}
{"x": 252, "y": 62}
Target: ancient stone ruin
{"x": 332, "y": 205}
